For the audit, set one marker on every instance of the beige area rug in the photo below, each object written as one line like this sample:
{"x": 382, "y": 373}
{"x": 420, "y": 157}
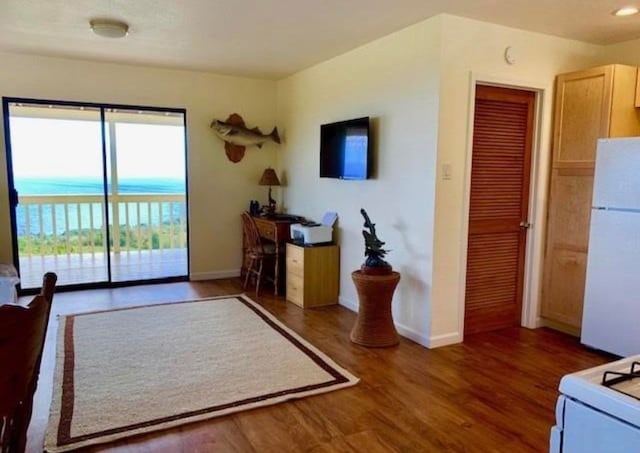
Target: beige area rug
{"x": 125, "y": 372}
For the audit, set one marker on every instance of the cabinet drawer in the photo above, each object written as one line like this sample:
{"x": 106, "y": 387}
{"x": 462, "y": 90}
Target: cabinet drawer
{"x": 565, "y": 287}
{"x": 295, "y": 267}
{"x": 266, "y": 230}
{"x": 295, "y": 289}
{"x": 295, "y": 260}
{"x": 295, "y": 254}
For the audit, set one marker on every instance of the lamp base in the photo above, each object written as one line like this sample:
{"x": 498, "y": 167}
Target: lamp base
{"x": 268, "y": 210}
{"x": 272, "y": 202}
{"x": 271, "y": 207}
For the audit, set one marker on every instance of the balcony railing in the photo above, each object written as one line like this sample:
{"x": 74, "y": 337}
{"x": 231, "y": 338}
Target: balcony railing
{"x": 76, "y": 224}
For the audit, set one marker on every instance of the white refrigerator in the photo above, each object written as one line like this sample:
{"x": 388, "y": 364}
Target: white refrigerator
{"x": 611, "y": 317}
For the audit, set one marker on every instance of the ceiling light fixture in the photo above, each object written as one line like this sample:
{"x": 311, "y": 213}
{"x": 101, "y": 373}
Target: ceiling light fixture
{"x": 108, "y": 28}
{"x": 625, "y": 11}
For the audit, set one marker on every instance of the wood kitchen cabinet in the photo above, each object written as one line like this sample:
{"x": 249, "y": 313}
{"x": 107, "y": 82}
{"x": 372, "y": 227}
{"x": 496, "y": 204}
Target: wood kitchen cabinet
{"x": 313, "y": 275}
{"x": 590, "y": 104}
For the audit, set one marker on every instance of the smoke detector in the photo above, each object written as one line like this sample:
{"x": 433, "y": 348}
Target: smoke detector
{"x": 108, "y": 28}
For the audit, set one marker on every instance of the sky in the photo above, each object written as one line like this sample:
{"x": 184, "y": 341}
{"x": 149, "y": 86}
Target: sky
{"x": 56, "y": 148}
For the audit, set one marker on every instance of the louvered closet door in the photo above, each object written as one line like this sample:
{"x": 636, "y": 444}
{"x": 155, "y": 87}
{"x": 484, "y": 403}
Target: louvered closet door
{"x": 501, "y": 164}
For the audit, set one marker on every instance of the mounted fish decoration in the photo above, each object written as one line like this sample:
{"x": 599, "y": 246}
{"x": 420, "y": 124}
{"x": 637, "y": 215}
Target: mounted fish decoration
{"x": 237, "y": 136}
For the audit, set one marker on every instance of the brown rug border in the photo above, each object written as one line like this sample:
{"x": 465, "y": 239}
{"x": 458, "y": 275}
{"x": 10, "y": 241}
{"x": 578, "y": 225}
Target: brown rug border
{"x": 64, "y": 438}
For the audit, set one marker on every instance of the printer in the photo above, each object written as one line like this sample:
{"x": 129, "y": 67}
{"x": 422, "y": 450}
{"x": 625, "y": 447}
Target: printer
{"x": 314, "y": 233}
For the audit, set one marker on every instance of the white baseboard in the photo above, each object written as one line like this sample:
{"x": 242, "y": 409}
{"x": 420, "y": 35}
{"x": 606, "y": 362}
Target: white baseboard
{"x": 402, "y": 330}
{"x": 445, "y": 339}
{"x": 346, "y": 303}
{"x": 412, "y": 335}
{"x": 215, "y": 275}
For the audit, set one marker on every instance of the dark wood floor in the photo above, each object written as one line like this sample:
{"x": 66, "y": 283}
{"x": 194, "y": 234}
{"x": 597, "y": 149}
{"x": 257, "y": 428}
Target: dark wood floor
{"x": 496, "y": 392}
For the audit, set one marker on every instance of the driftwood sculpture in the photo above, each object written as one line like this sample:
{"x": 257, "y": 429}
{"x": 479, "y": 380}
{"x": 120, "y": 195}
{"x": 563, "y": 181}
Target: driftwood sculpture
{"x": 374, "y": 263}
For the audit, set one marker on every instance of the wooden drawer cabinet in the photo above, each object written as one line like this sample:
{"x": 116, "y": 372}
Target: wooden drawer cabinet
{"x": 566, "y": 286}
{"x": 295, "y": 260}
{"x": 313, "y": 275}
{"x": 591, "y": 104}
{"x": 295, "y": 289}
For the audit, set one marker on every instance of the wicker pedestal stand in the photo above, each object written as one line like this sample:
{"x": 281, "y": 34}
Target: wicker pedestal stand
{"x": 374, "y": 325}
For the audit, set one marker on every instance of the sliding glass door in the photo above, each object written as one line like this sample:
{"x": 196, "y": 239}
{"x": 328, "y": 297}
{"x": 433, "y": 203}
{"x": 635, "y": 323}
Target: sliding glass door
{"x": 99, "y": 192}
{"x": 147, "y": 194}
{"x": 56, "y": 164}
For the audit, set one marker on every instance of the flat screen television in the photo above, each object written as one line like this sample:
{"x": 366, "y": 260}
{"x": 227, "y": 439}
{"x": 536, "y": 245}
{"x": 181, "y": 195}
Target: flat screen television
{"x": 345, "y": 149}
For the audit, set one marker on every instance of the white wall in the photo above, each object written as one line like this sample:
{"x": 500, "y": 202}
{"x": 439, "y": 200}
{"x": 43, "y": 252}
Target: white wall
{"x": 395, "y": 81}
{"x": 218, "y": 189}
{"x": 472, "y": 47}
{"x": 627, "y": 52}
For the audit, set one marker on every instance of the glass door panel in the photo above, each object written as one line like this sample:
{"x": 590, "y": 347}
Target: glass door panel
{"x": 146, "y": 194}
{"x": 56, "y": 155}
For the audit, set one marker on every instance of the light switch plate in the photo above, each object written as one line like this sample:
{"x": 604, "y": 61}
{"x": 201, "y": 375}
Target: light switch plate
{"x": 446, "y": 171}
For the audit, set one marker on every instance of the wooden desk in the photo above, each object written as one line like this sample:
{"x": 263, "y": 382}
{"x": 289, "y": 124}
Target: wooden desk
{"x": 277, "y": 231}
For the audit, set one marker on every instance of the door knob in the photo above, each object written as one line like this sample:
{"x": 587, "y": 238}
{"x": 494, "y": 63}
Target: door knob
{"x": 524, "y": 224}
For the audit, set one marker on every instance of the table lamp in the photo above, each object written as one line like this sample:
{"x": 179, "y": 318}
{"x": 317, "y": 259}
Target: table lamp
{"x": 269, "y": 178}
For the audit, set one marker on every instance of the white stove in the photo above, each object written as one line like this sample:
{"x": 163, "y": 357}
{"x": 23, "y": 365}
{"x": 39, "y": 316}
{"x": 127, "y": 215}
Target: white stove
{"x": 598, "y": 410}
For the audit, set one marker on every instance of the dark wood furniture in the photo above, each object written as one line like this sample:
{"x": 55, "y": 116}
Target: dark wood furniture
{"x": 275, "y": 231}
{"x": 22, "y": 334}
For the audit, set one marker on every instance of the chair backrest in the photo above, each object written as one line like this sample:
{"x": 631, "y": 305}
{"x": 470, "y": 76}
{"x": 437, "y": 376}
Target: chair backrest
{"x": 251, "y": 234}
{"x": 22, "y": 335}
{"x": 49, "y": 285}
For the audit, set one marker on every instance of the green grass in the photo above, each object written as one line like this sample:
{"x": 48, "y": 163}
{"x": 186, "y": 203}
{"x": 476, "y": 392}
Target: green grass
{"x": 81, "y": 240}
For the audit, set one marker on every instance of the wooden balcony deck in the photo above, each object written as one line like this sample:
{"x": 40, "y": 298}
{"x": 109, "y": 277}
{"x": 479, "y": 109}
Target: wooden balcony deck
{"x": 92, "y": 267}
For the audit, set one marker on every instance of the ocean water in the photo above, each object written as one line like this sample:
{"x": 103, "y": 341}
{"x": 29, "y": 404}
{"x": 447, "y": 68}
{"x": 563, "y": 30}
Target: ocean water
{"x": 44, "y": 219}
{"x": 86, "y": 186}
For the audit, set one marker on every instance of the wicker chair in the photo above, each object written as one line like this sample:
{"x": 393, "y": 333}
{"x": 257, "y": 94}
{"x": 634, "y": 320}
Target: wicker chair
{"x": 22, "y": 335}
{"x": 257, "y": 252}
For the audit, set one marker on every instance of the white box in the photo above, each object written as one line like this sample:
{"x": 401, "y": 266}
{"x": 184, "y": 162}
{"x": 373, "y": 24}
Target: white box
{"x": 308, "y": 235}
{"x": 314, "y": 233}
{"x": 8, "y": 281}
{"x": 8, "y": 294}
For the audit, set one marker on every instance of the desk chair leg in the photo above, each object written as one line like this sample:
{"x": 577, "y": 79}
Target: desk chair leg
{"x": 246, "y": 277}
{"x": 259, "y": 277}
{"x": 276, "y": 273}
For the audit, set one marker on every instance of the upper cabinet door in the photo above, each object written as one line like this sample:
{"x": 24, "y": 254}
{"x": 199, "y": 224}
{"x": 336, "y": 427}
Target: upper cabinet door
{"x": 625, "y": 117}
{"x": 583, "y": 106}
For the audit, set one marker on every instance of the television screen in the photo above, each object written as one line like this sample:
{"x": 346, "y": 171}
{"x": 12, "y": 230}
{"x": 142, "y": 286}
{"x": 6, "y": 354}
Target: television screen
{"x": 344, "y": 149}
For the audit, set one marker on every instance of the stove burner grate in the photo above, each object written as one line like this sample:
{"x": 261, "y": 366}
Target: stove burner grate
{"x": 613, "y": 378}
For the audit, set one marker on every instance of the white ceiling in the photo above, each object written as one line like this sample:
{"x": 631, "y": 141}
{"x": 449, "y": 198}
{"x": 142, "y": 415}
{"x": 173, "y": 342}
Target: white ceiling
{"x": 274, "y": 38}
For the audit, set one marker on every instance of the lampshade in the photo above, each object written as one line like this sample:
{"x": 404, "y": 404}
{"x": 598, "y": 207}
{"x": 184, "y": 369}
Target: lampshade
{"x": 269, "y": 178}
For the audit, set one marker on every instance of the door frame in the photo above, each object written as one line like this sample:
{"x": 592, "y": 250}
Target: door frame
{"x": 5, "y": 101}
{"x": 538, "y": 192}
